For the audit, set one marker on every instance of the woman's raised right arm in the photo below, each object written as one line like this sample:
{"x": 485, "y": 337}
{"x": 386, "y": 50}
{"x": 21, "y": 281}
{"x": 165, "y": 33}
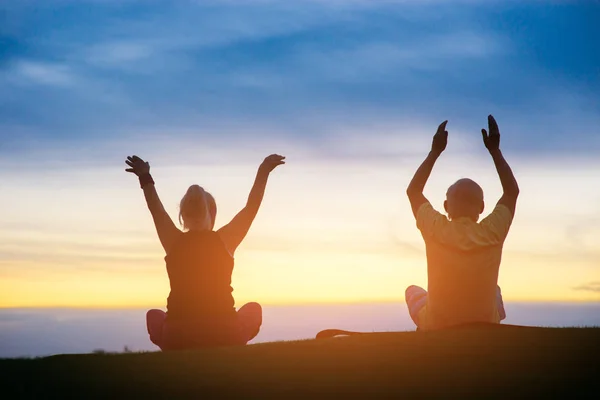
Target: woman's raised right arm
{"x": 165, "y": 228}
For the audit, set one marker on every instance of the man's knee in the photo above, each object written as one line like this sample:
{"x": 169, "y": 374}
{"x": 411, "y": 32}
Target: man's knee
{"x": 409, "y": 290}
{"x": 412, "y": 291}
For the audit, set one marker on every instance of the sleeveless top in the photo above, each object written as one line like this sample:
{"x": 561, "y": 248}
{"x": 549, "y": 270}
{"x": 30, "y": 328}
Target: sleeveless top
{"x": 199, "y": 268}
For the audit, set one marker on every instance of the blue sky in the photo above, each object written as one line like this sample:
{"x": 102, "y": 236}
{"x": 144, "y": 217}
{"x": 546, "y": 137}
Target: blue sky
{"x": 87, "y": 70}
{"x": 350, "y": 91}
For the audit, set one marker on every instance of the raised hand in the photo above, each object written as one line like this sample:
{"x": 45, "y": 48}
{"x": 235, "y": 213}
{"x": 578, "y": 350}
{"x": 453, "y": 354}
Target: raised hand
{"x": 271, "y": 162}
{"x": 138, "y": 166}
{"x": 491, "y": 139}
{"x": 440, "y": 139}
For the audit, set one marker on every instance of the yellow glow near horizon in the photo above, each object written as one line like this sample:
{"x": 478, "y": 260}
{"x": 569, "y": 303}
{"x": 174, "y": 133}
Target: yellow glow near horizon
{"x": 328, "y": 232}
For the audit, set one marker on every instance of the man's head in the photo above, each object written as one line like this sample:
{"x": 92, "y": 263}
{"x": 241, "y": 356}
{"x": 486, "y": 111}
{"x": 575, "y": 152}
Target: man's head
{"x": 464, "y": 199}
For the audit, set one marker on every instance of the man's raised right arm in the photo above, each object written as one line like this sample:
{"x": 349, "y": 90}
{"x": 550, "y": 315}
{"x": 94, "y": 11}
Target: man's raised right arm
{"x": 417, "y": 184}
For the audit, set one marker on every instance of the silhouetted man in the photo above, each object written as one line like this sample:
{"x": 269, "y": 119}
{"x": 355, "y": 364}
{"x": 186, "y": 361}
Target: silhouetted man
{"x": 463, "y": 254}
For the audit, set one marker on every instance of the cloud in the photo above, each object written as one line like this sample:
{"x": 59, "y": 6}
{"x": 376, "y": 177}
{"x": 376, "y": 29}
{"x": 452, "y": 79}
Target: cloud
{"x": 350, "y": 91}
{"x": 43, "y": 73}
{"x": 305, "y": 69}
{"x": 384, "y": 60}
{"x": 117, "y": 53}
{"x": 589, "y": 287}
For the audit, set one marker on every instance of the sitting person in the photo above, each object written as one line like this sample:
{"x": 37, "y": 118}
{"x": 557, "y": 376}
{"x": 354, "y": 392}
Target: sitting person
{"x": 199, "y": 262}
{"x": 463, "y": 255}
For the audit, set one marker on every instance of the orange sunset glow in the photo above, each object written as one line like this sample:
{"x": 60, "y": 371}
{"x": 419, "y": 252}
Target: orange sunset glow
{"x": 329, "y": 230}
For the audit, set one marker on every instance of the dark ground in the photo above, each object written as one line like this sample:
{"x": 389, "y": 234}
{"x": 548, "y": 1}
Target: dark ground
{"x": 475, "y": 362}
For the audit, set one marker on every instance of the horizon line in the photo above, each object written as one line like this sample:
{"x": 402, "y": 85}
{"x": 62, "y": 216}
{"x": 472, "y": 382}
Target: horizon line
{"x": 290, "y": 304}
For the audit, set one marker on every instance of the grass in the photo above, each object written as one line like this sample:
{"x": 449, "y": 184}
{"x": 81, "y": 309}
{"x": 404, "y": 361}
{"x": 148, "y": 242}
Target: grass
{"x": 475, "y": 362}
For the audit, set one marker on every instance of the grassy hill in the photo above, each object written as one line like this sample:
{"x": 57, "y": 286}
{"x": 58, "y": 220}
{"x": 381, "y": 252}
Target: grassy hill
{"x": 474, "y": 362}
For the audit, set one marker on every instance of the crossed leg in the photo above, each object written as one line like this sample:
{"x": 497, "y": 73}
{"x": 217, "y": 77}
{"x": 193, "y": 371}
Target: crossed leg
{"x": 155, "y": 322}
{"x": 249, "y": 322}
{"x": 416, "y": 299}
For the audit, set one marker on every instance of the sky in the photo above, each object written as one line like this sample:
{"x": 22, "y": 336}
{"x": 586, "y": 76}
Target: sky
{"x": 350, "y": 92}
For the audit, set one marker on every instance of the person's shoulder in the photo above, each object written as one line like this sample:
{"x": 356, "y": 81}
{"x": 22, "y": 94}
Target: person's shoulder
{"x": 501, "y": 211}
{"x": 218, "y": 240}
{"x": 496, "y": 225}
{"x": 430, "y": 221}
{"x": 425, "y": 208}
{"x": 502, "y": 208}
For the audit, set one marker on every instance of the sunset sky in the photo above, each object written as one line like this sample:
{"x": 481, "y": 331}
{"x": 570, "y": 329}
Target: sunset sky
{"x": 350, "y": 92}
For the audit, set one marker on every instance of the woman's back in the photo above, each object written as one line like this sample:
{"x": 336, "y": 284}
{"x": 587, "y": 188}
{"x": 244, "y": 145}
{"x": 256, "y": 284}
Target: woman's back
{"x": 200, "y": 307}
{"x": 199, "y": 268}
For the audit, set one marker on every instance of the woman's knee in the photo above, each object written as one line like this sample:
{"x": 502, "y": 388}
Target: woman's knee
{"x": 155, "y": 318}
{"x": 251, "y": 314}
{"x": 250, "y": 319}
{"x": 252, "y": 307}
{"x": 155, "y": 314}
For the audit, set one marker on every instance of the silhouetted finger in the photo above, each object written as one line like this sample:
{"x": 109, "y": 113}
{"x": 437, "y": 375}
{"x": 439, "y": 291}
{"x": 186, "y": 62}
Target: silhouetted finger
{"x": 492, "y": 124}
{"x": 484, "y": 134}
{"x": 129, "y": 163}
{"x": 442, "y": 127}
{"x": 129, "y": 170}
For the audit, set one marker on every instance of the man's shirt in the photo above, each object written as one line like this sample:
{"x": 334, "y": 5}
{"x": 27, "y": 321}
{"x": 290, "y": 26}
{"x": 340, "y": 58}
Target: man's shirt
{"x": 463, "y": 259}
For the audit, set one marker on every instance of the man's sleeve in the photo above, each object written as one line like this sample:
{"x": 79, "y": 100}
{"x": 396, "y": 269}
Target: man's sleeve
{"x": 498, "y": 223}
{"x": 429, "y": 220}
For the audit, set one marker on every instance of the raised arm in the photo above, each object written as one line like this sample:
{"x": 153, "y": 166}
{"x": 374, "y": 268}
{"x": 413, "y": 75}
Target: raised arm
{"x": 417, "y": 184}
{"x": 507, "y": 179}
{"x": 166, "y": 229}
{"x": 235, "y": 231}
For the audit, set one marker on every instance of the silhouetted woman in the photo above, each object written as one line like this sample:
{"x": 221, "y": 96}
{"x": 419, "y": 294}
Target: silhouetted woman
{"x": 200, "y": 306}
